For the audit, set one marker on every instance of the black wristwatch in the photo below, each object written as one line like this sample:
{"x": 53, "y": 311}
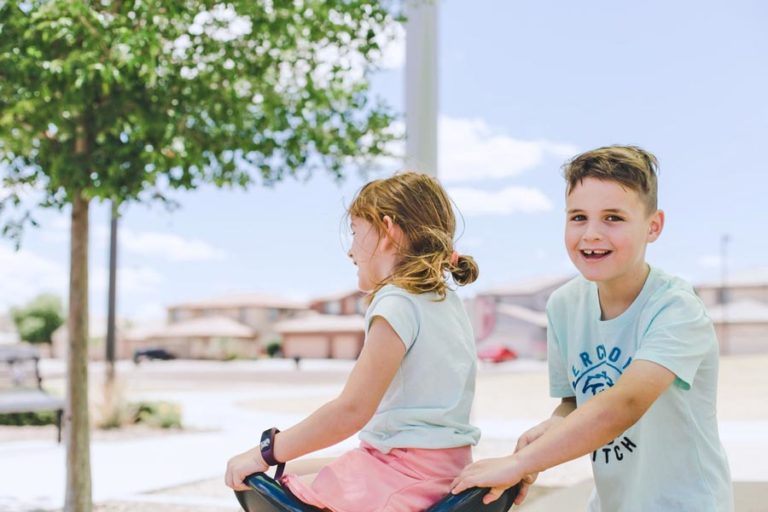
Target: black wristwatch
{"x": 267, "y": 446}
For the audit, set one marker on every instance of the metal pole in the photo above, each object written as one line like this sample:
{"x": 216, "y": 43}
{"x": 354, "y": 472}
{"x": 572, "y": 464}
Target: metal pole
{"x": 724, "y": 299}
{"x": 421, "y": 90}
{"x": 111, "y": 299}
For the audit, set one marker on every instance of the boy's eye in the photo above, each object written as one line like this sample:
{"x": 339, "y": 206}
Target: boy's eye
{"x": 578, "y": 218}
{"x": 614, "y": 218}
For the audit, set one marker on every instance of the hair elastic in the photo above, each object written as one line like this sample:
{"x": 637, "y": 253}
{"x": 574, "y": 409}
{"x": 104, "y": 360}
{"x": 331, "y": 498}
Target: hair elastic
{"x": 454, "y": 258}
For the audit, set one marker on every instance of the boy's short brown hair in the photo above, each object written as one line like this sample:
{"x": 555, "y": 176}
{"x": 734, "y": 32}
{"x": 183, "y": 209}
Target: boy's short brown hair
{"x": 630, "y": 166}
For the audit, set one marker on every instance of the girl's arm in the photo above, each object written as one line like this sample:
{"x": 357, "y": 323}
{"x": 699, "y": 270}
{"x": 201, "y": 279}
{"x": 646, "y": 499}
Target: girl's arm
{"x": 586, "y": 429}
{"x": 341, "y": 417}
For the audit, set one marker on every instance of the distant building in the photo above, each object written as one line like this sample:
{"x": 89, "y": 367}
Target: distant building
{"x": 513, "y": 316}
{"x": 739, "y": 310}
{"x": 350, "y": 302}
{"x": 322, "y": 336}
{"x": 243, "y": 326}
{"x": 209, "y": 337}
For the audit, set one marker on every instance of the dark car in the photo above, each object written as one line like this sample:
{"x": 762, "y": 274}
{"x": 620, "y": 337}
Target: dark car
{"x": 147, "y": 354}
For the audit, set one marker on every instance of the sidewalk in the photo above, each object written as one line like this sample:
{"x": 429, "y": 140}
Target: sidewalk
{"x": 234, "y": 402}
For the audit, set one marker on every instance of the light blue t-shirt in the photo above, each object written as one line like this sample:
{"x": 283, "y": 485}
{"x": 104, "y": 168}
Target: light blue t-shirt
{"x": 427, "y": 405}
{"x": 671, "y": 460}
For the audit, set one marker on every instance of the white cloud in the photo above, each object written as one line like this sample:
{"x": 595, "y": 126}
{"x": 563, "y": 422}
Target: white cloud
{"x": 469, "y": 149}
{"x": 168, "y": 246}
{"x": 129, "y": 280}
{"x": 472, "y": 201}
{"x": 25, "y": 274}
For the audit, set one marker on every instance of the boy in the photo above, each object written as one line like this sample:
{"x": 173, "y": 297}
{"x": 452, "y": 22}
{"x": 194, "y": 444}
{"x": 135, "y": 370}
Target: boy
{"x": 632, "y": 356}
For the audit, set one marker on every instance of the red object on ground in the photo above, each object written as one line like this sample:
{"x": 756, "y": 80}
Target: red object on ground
{"x": 496, "y": 354}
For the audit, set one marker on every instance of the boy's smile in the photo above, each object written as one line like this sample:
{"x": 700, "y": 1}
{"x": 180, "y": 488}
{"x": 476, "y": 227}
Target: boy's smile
{"x": 607, "y": 229}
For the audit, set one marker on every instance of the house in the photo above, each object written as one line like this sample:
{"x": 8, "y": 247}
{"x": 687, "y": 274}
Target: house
{"x": 751, "y": 285}
{"x": 238, "y": 325}
{"x": 322, "y": 336}
{"x": 741, "y": 326}
{"x": 739, "y": 309}
{"x": 206, "y": 337}
{"x": 513, "y": 316}
{"x": 350, "y": 302}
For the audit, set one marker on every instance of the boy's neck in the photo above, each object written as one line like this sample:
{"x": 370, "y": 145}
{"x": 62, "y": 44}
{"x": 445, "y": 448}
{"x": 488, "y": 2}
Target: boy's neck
{"x": 616, "y": 296}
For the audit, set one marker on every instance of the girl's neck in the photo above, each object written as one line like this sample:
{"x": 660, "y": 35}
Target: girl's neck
{"x": 616, "y": 296}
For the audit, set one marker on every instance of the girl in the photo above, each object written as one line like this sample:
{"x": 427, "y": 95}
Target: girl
{"x": 411, "y": 389}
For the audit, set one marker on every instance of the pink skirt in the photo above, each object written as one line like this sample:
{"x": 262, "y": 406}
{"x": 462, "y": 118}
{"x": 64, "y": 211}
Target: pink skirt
{"x": 367, "y": 480}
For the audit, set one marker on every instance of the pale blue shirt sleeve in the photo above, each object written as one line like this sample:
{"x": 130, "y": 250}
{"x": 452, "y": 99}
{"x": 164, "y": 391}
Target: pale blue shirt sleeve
{"x": 559, "y": 386}
{"x": 678, "y": 337}
{"x": 400, "y": 312}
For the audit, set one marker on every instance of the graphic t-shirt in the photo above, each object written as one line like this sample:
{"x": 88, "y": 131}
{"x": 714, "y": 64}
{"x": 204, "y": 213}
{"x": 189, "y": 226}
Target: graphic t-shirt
{"x": 672, "y": 458}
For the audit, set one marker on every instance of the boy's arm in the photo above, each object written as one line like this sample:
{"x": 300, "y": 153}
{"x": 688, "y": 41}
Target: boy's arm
{"x": 586, "y": 429}
{"x": 566, "y": 406}
{"x": 340, "y": 418}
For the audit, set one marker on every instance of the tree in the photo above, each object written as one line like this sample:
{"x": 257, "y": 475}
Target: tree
{"x": 37, "y": 320}
{"x": 127, "y": 100}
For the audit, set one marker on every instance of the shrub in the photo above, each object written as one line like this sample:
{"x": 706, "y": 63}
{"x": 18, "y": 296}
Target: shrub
{"x": 37, "y": 320}
{"x": 274, "y": 348}
{"x": 158, "y": 414}
{"x": 21, "y": 419}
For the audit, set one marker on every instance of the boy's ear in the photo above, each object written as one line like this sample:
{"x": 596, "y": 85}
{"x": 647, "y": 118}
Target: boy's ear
{"x": 655, "y": 226}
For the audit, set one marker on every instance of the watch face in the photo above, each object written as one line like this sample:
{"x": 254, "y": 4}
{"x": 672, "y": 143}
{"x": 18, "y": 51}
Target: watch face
{"x": 265, "y": 443}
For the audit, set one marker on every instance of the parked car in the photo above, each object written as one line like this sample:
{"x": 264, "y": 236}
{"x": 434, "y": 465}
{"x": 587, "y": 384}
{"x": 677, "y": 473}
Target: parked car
{"x": 496, "y": 354}
{"x": 148, "y": 354}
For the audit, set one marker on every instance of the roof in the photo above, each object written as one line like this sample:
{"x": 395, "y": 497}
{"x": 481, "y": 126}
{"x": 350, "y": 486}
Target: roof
{"x": 756, "y": 277}
{"x": 322, "y": 323}
{"x": 337, "y": 296}
{"x": 538, "y": 318}
{"x": 743, "y": 311}
{"x": 205, "y": 327}
{"x": 243, "y": 300}
{"x": 529, "y": 286}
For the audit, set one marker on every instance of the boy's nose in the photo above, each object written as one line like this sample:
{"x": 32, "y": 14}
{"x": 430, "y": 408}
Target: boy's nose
{"x": 591, "y": 232}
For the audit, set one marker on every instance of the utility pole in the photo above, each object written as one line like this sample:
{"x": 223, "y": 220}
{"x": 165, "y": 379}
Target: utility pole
{"x": 421, "y": 85}
{"x": 111, "y": 300}
{"x": 724, "y": 298}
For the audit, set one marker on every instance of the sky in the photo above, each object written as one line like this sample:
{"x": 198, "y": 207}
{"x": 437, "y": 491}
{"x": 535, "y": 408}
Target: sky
{"x": 523, "y": 86}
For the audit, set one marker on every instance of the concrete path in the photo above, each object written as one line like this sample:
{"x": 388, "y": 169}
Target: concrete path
{"x": 224, "y": 422}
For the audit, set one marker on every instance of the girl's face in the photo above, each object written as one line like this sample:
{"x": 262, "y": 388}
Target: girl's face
{"x": 369, "y": 253}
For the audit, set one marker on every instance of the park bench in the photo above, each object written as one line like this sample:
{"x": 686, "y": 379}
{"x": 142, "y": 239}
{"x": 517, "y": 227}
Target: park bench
{"x": 21, "y": 386}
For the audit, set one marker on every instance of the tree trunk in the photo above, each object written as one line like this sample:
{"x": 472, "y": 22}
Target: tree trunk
{"x": 77, "y": 426}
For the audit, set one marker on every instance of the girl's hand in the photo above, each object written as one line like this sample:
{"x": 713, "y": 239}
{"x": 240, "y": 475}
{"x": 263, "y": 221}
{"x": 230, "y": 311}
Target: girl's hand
{"x": 240, "y": 466}
{"x": 498, "y": 474}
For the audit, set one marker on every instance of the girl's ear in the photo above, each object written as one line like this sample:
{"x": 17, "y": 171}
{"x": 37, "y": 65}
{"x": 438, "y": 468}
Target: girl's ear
{"x": 393, "y": 235}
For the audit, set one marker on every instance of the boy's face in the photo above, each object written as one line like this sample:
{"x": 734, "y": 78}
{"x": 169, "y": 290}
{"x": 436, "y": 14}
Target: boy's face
{"x": 606, "y": 231}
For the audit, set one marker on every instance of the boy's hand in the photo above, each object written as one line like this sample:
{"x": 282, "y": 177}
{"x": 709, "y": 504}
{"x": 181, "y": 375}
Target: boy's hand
{"x": 240, "y": 466}
{"x": 527, "y": 438}
{"x": 498, "y": 474}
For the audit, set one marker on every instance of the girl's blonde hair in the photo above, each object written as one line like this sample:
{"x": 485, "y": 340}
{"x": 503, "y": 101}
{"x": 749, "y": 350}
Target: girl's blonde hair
{"x": 419, "y": 206}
